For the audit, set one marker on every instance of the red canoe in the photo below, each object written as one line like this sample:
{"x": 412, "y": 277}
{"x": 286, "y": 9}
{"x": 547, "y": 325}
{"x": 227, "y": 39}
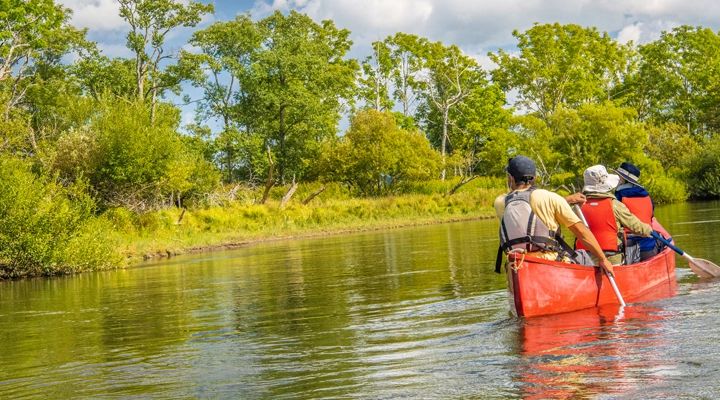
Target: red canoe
{"x": 542, "y": 287}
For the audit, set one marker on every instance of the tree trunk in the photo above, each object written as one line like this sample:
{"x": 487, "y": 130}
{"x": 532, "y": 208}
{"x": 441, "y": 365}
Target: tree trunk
{"x": 270, "y": 181}
{"x": 152, "y": 106}
{"x": 180, "y": 218}
{"x": 140, "y": 78}
{"x": 444, "y": 142}
{"x": 281, "y": 135}
{"x": 314, "y": 195}
{"x": 462, "y": 183}
{"x": 288, "y": 195}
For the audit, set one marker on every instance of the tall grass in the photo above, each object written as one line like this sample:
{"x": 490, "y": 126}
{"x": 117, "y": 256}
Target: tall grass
{"x": 243, "y": 220}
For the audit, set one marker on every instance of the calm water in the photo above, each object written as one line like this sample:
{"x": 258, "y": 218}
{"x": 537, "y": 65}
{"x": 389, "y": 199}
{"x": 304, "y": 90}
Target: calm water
{"x": 414, "y": 313}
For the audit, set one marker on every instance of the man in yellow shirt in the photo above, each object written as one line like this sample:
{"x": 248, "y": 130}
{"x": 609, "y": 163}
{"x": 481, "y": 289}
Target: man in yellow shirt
{"x": 531, "y": 218}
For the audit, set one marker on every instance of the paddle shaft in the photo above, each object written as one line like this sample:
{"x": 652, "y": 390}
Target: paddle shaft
{"x": 610, "y": 276}
{"x": 667, "y": 243}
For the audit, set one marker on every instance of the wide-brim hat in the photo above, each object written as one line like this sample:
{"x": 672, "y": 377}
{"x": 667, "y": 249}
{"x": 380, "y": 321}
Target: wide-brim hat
{"x": 598, "y": 180}
{"x": 630, "y": 173}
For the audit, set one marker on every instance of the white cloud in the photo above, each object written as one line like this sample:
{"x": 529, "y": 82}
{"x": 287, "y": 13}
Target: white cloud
{"x": 96, "y": 15}
{"x": 630, "y": 33}
{"x": 488, "y": 24}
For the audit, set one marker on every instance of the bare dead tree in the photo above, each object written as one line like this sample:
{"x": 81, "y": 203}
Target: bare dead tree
{"x": 288, "y": 195}
{"x": 314, "y": 195}
{"x": 465, "y": 180}
{"x": 270, "y": 181}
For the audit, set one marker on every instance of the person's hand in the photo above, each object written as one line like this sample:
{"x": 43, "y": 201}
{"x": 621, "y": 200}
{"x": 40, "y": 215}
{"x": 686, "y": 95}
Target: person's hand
{"x": 576, "y": 198}
{"x": 607, "y": 266}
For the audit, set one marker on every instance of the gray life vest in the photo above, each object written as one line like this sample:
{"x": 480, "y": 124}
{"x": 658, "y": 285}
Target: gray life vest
{"x": 521, "y": 229}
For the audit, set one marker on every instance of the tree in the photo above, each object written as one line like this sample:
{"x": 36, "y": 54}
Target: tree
{"x": 222, "y": 71}
{"x": 227, "y": 50}
{"x": 596, "y": 134}
{"x": 100, "y": 75}
{"x": 33, "y": 33}
{"x": 673, "y": 146}
{"x": 296, "y": 84}
{"x": 678, "y": 80}
{"x": 130, "y": 162}
{"x": 404, "y": 49}
{"x": 150, "y": 22}
{"x": 374, "y": 83}
{"x": 376, "y": 157}
{"x": 479, "y": 123}
{"x": 561, "y": 65}
{"x": 704, "y": 171}
{"x": 448, "y": 80}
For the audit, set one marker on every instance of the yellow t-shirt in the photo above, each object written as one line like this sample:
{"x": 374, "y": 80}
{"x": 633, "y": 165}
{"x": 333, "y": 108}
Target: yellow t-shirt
{"x": 551, "y": 208}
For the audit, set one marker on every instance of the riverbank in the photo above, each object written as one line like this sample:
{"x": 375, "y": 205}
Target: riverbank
{"x": 61, "y": 240}
{"x": 173, "y": 232}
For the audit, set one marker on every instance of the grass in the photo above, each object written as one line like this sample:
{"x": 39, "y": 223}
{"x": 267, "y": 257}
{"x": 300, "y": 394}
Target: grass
{"x": 241, "y": 221}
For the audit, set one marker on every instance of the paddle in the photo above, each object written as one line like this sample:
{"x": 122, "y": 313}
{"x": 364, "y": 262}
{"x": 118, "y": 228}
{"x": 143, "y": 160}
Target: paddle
{"x": 609, "y": 275}
{"x": 702, "y": 268}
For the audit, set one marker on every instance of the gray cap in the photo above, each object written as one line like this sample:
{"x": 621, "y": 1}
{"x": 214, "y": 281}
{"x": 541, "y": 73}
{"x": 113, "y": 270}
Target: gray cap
{"x": 520, "y": 166}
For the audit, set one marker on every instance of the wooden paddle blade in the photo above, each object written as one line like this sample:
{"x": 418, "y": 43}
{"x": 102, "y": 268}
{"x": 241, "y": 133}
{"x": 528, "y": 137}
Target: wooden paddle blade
{"x": 704, "y": 268}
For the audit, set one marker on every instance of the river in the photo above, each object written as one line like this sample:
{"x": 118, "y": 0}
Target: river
{"x": 406, "y": 313}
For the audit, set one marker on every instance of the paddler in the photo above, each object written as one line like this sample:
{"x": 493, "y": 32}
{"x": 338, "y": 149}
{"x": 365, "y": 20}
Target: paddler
{"x": 606, "y": 216}
{"x": 530, "y": 220}
{"x": 638, "y": 201}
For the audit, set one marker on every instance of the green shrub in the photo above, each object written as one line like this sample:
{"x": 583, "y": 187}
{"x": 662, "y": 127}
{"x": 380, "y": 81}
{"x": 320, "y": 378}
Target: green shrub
{"x": 46, "y": 229}
{"x": 377, "y": 157}
{"x": 664, "y": 189}
{"x": 704, "y": 172}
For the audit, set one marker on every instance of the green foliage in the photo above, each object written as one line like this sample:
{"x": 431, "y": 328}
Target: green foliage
{"x": 451, "y": 78}
{"x": 292, "y": 79}
{"x": 665, "y": 189}
{"x": 150, "y": 23}
{"x": 34, "y": 35}
{"x": 130, "y": 162}
{"x": 678, "y": 79}
{"x": 406, "y": 68}
{"x": 596, "y": 134}
{"x": 673, "y": 146}
{"x": 561, "y": 66}
{"x": 100, "y": 76}
{"x": 45, "y": 226}
{"x": 374, "y": 83}
{"x": 377, "y": 157}
{"x": 704, "y": 171}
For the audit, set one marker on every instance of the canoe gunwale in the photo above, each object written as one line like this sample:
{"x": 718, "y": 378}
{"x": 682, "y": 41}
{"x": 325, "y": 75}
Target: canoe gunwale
{"x": 542, "y": 287}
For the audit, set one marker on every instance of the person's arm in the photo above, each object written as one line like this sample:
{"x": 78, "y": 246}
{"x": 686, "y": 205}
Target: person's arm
{"x": 628, "y": 220}
{"x": 583, "y": 234}
{"x": 575, "y": 198}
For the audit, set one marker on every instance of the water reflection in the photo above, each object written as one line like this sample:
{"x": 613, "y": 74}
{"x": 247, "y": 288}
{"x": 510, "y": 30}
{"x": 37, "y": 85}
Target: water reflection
{"x": 608, "y": 350}
{"x": 410, "y": 313}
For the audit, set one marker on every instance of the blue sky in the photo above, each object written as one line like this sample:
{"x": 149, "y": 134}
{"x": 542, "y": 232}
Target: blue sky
{"x": 476, "y": 26}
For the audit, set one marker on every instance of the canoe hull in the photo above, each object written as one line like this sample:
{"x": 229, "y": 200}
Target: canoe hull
{"x": 542, "y": 287}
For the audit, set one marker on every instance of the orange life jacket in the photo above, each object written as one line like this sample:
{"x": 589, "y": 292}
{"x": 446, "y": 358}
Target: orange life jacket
{"x": 601, "y": 222}
{"x": 641, "y": 207}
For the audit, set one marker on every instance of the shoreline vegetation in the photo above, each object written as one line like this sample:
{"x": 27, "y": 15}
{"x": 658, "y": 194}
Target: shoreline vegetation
{"x": 101, "y": 163}
{"x": 174, "y": 232}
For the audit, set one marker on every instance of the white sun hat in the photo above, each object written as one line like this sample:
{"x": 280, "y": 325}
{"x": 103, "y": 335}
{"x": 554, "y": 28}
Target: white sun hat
{"x": 597, "y": 180}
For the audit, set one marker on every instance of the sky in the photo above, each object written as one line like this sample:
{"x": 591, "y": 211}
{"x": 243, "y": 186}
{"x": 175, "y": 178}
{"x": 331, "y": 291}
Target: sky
{"x": 476, "y": 26}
